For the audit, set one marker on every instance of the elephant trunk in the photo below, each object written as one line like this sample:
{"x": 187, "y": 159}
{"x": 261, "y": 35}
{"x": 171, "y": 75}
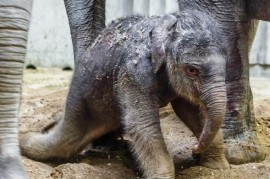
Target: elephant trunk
{"x": 214, "y": 99}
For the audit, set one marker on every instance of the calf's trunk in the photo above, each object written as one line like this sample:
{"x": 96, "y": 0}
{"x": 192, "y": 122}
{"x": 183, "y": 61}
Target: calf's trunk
{"x": 213, "y": 111}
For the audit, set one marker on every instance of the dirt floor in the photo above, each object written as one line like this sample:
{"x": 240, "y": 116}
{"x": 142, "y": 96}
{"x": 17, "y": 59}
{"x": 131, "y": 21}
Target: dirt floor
{"x": 44, "y": 94}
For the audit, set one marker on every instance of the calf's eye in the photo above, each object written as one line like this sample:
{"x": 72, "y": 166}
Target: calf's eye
{"x": 191, "y": 70}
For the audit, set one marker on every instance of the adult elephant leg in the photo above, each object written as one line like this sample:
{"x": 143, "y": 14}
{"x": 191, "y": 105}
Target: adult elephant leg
{"x": 14, "y": 23}
{"x": 70, "y": 135}
{"x": 241, "y": 140}
{"x": 86, "y": 20}
{"x": 190, "y": 114}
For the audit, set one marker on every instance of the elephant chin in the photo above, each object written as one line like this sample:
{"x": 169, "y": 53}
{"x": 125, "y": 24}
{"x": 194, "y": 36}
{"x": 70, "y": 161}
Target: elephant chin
{"x": 213, "y": 113}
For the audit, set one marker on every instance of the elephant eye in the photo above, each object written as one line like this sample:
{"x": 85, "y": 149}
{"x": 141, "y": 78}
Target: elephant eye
{"x": 191, "y": 70}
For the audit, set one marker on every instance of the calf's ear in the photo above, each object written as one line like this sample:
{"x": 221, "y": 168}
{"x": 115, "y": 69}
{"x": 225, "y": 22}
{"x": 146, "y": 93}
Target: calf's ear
{"x": 161, "y": 41}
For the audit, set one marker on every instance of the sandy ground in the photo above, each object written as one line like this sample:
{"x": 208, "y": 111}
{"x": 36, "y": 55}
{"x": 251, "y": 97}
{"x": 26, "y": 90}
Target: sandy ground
{"x": 44, "y": 94}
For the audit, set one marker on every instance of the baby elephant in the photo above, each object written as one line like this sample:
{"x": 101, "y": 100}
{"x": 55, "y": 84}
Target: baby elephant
{"x": 136, "y": 66}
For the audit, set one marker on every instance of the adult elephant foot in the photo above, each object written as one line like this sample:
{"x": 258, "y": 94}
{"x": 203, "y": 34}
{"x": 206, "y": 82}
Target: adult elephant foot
{"x": 11, "y": 168}
{"x": 244, "y": 148}
{"x": 240, "y": 138}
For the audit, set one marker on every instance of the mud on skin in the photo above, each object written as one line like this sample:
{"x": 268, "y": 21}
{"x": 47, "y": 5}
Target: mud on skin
{"x": 136, "y": 66}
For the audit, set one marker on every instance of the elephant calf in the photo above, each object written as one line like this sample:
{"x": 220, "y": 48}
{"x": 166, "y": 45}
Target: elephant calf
{"x": 136, "y": 66}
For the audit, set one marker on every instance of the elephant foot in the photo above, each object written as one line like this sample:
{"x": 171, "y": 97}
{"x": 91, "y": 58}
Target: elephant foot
{"x": 11, "y": 168}
{"x": 213, "y": 158}
{"x": 244, "y": 148}
{"x": 214, "y": 162}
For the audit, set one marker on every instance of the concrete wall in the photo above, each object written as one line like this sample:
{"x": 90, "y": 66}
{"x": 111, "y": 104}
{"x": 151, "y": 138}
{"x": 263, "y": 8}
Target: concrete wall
{"x": 50, "y": 45}
{"x": 259, "y": 58}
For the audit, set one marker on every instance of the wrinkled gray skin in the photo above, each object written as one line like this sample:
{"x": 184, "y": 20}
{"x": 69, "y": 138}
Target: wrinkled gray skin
{"x": 236, "y": 19}
{"x": 87, "y": 20}
{"x": 136, "y": 66}
{"x": 14, "y": 23}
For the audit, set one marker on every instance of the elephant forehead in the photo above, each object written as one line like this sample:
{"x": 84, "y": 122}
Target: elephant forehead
{"x": 214, "y": 64}
{"x": 207, "y": 63}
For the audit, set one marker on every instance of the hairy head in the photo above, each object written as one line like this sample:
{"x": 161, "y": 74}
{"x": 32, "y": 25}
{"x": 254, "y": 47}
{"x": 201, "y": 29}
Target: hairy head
{"x": 193, "y": 49}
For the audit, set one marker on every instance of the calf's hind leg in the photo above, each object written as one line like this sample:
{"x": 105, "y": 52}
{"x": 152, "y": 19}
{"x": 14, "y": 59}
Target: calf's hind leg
{"x": 213, "y": 157}
{"x": 68, "y": 137}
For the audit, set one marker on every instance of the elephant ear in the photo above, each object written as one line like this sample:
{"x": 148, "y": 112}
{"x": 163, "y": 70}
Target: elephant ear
{"x": 161, "y": 40}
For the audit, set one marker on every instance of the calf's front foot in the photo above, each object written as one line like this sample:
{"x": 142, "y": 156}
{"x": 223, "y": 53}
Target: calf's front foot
{"x": 214, "y": 157}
